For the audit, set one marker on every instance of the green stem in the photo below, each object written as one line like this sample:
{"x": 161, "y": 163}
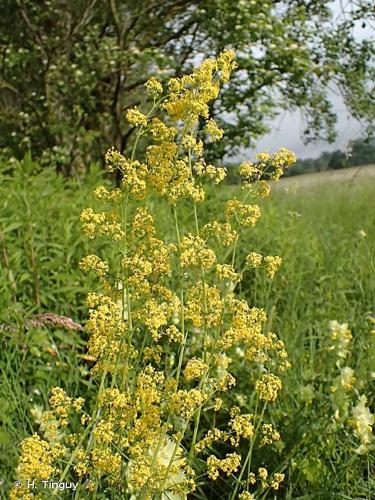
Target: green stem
{"x": 182, "y": 348}
{"x": 177, "y": 445}
{"x": 249, "y": 454}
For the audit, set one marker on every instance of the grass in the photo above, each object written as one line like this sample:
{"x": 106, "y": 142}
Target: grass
{"x": 326, "y": 236}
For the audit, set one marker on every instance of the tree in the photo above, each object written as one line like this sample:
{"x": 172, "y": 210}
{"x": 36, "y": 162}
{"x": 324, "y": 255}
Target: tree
{"x": 71, "y": 69}
{"x": 362, "y": 152}
{"x": 338, "y": 160}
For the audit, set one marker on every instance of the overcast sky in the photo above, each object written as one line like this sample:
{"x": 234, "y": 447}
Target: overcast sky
{"x": 288, "y": 127}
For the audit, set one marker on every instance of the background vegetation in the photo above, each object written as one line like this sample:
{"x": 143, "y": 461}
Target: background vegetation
{"x": 328, "y": 273}
{"x": 70, "y": 70}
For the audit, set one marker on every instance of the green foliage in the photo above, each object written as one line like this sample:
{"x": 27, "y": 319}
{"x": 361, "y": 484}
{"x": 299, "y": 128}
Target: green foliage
{"x": 328, "y": 273}
{"x": 71, "y": 69}
{"x": 39, "y": 242}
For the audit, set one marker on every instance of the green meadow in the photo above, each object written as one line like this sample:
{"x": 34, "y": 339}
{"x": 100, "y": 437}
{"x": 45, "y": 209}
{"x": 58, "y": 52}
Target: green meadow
{"x": 325, "y": 234}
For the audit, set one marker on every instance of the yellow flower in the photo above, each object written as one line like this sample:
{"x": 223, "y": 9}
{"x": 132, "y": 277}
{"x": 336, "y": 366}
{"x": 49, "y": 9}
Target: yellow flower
{"x": 253, "y": 260}
{"x": 36, "y": 460}
{"x": 263, "y": 473}
{"x": 135, "y": 118}
{"x": 268, "y": 387}
{"x": 153, "y": 86}
{"x": 161, "y": 132}
{"x": 246, "y": 215}
{"x": 215, "y": 133}
{"x": 185, "y": 403}
{"x": 194, "y": 369}
{"x": 96, "y": 264}
{"x": 104, "y": 461}
{"x": 272, "y": 265}
{"x": 241, "y": 426}
{"x": 226, "y": 272}
{"x": 228, "y": 465}
{"x": 248, "y": 170}
{"x": 245, "y": 495}
{"x": 363, "y": 422}
{"x": 194, "y": 253}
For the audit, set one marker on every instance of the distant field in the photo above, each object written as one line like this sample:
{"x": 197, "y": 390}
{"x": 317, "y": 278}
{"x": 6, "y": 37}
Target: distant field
{"x": 314, "y": 178}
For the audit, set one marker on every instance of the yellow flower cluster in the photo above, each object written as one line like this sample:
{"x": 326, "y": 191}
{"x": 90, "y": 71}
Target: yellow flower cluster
{"x": 135, "y": 118}
{"x": 195, "y": 253}
{"x": 213, "y": 436}
{"x": 240, "y": 426}
{"x": 160, "y": 132}
{"x": 246, "y": 215}
{"x": 214, "y": 132}
{"x": 228, "y": 465}
{"x": 224, "y": 233}
{"x": 106, "y": 462}
{"x": 106, "y": 328}
{"x": 167, "y": 351}
{"x": 245, "y": 495}
{"x": 276, "y": 163}
{"x": 204, "y": 305}
{"x": 153, "y": 86}
{"x": 272, "y": 265}
{"x": 226, "y": 272}
{"x": 217, "y": 174}
{"x": 268, "y": 434}
{"x": 184, "y": 403}
{"x": 94, "y": 263}
{"x": 134, "y": 174}
{"x": 37, "y": 459}
{"x": 249, "y": 171}
{"x": 36, "y": 463}
{"x": 189, "y": 96}
{"x": 104, "y": 194}
{"x": 268, "y": 387}
{"x": 102, "y": 223}
{"x": 341, "y": 337}
{"x": 253, "y": 260}
{"x": 194, "y": 369}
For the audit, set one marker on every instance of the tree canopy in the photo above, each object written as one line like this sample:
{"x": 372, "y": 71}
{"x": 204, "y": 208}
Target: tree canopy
{"x": 70, "y": 70}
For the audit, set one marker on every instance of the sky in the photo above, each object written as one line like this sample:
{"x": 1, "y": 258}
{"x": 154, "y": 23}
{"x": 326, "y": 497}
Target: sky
{"x": 287, "y": 128}
{"x": 286, "y": 131}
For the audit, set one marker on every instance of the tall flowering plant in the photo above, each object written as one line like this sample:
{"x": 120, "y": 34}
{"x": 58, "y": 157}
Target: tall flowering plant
{"x": 168, "y": 334}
